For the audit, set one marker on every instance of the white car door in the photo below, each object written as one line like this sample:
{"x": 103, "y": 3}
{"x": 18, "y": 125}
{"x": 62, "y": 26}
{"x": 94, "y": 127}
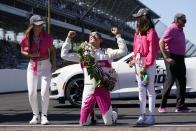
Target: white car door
{"x": 126, "y": 79}
{"x": 115, "y": 92}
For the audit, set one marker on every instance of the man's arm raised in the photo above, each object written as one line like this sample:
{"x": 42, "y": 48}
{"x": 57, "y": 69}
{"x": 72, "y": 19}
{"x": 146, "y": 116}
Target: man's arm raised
{"x": 67, "y": 46}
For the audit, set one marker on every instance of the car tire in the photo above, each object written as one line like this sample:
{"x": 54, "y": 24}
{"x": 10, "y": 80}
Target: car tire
{"x": 74, "y": 91}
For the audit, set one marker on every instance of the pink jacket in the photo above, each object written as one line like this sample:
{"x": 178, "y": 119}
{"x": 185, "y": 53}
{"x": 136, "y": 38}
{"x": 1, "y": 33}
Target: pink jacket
{"x": 149, "y": 47}
{"x": 46, "y": 42}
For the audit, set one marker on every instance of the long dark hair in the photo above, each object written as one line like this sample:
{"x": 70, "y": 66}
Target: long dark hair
{"x": 29, "y": 32}
{"x": 144, "y": 25}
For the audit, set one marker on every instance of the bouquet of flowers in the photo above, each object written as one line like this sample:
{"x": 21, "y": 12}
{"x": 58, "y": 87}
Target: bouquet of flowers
{"x": 103, "y": 79}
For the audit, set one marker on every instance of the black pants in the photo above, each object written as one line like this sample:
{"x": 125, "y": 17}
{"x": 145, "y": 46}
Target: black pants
{"x": 175, "y": 73}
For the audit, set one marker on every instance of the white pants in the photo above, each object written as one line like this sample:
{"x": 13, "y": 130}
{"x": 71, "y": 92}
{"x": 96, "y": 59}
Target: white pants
{"x": 150, "y": 88}
{"x": 44, "y": 72}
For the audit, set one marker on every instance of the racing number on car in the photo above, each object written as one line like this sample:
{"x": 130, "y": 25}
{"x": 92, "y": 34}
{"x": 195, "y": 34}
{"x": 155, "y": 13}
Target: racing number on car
{"x": 160, "y": 78}
{"x": 160, "y": 75}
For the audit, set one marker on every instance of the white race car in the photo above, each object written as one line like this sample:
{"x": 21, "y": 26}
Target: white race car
{"x": 67, "y": 83}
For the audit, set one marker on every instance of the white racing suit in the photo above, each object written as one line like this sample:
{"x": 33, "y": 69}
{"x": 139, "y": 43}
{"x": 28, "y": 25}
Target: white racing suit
{"x": 92, "y": 93}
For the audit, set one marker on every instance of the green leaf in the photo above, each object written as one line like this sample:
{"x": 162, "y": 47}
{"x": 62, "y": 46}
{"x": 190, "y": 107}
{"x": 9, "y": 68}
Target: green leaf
{"x": 90, "y": 63}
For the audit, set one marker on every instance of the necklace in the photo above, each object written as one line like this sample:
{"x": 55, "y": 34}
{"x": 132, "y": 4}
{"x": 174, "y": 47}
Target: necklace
{"x": 36, "y": 39}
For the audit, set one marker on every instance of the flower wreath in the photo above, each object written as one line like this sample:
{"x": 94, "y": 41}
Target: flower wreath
{"x": 103, "y": 79}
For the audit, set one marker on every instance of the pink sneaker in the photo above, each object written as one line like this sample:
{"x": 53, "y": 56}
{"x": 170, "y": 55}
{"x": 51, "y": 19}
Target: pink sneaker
{"x": 183, "y": 109}
{"x": 161, "y": 110}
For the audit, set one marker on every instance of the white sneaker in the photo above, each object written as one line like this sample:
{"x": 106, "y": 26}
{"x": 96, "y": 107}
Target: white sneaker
{"x": 114, "y": 116}
{"x": 35, "y": 120}
{"x": 150, "y": 120}
{"x": 141, "y": 120}
{"x": 44, "y": 120}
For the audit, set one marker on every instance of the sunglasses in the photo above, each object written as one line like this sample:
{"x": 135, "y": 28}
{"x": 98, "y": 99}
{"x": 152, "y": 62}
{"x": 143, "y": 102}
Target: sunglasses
{"x": 183, "y": 20}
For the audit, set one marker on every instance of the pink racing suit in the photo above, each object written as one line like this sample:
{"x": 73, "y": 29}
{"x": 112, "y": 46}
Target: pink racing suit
{"x": 92, "y": 93}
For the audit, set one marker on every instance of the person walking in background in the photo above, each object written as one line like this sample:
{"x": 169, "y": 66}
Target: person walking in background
{"x": 36, "y": 44}
{"x": 145, "y": 48}
{"x": 102, "y": 57}
{"x": 173, "y": 46}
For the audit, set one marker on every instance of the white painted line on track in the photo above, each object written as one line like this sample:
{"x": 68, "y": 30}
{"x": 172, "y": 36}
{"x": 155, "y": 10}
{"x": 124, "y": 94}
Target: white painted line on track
{"x": 40, "y": 125}
{"x": 125, "y": 125}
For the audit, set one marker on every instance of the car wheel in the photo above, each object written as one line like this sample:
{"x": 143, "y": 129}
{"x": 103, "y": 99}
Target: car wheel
{"x": 74, "y": 91}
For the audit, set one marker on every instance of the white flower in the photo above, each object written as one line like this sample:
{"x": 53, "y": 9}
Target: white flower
{"x": 86, "y": 53}
{"x": 113, "y": 73}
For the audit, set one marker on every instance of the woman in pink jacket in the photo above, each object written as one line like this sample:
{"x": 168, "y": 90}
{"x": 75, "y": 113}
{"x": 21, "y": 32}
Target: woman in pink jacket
{"x": 145, "y": 47}
{"x": 35, "y": 44}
